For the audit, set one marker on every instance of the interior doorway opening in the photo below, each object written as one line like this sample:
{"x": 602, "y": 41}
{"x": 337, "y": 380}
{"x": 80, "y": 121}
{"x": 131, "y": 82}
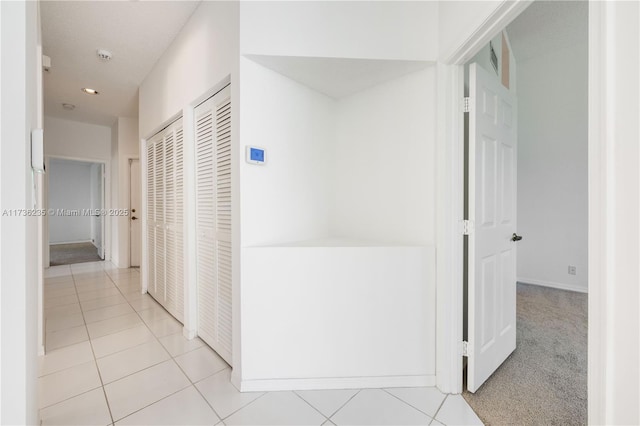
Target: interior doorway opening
{"x": 546, "y": 375}
{"x": 76, "y": 213}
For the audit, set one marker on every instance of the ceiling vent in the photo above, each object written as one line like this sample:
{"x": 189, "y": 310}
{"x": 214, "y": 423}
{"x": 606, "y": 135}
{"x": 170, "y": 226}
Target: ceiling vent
{"x": 103, "y": 55}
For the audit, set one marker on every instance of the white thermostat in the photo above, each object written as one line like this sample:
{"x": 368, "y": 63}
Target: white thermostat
{"x": 256, "y": 155}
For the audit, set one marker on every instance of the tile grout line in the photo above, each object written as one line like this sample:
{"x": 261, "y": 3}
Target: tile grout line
{"x": 343, "y": 405}
{"x": 168, "y": 353}
{"x": 412, "y": 406}
{"x": 438, "y": 410}
{"x": 309, "y": 404}
{"x": 244, "y": 406}
{"x": 95, "y": 360}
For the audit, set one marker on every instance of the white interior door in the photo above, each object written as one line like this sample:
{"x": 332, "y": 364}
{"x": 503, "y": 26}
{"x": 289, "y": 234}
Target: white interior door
{"x": 134, "y": 213}
{"x": 492, "y": 216}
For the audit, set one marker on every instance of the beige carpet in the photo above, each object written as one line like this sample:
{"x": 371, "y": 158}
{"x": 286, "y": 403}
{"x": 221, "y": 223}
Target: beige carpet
{"x": 67, "y": 254}
{"x": 544, "y": 382}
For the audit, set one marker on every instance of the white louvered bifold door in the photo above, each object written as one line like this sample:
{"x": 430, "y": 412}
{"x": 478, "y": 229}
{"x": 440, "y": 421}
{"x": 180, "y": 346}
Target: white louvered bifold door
{"x": 165, "y": 233}
{"x": 213, "y": 221}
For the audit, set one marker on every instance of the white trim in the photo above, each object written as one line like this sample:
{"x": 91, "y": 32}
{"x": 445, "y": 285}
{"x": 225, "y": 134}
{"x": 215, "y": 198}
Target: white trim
{"x": 560, "y": 286}
{"x": 337, "y": 383}
{"x": 450, "y": 172}
{"x": 144, "y": 264}
{"x": 449, "y": 239}
{"x": 506, "y": 12}
{"x": 126, "y": 159}
{"x": 72, "y": 242}
{"x": 599, "y": 200}
{"x": 106, "y": 202}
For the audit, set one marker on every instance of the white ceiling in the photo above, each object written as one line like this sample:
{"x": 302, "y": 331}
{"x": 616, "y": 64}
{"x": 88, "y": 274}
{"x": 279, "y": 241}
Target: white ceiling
{"x": 136, "y": 33}
{"x": 548, "y": 25}
{"x": 338, "y": 77}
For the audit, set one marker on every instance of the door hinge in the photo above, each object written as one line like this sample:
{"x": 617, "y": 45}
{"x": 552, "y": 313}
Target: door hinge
{"x": 467, "y": 227}
{"x": 465, "y": 348}
{"x": 466, "y": 104}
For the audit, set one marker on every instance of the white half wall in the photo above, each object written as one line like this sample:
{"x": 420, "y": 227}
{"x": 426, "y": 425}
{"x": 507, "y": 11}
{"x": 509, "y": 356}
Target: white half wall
{"x": 552, "y": 168}
{"x": 70, "y": 188}
{"x": 338, "y": 315}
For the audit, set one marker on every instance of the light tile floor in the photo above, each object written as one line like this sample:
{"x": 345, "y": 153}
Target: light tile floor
{"x": 116, "y": 357}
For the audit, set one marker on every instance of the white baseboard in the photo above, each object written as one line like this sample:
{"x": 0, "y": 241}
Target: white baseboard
{"x": 559, "y": 286}
{"x": 337, "y": 383}
{"x": 70, "y": 242}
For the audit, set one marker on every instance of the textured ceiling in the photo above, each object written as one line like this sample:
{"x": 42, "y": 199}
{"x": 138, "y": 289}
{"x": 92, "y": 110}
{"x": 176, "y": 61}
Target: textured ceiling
{"x": 136, "y": 33}
{"x": 548, "y": 25}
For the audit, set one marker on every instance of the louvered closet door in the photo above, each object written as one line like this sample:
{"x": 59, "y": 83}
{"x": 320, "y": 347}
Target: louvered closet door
{"x": 213, "y": 222}
{"x": 165, "y": 205}
{"x": 150, "y": 214}
{"x": 160, "y": 221}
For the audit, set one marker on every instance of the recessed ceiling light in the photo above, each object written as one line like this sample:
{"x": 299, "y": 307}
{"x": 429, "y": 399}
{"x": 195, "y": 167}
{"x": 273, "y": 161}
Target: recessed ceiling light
{"x": 68, "y": 107}
{"x": 90, "y": 91}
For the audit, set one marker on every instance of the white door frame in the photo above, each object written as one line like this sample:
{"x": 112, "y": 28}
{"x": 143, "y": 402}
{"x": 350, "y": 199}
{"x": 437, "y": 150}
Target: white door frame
{"x": 106, "y": 237}
{"x": 450, "y": 197}
{"x": 126, "y": 161}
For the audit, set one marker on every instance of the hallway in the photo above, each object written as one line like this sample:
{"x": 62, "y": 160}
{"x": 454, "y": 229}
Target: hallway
{"x": 115, "y": 356}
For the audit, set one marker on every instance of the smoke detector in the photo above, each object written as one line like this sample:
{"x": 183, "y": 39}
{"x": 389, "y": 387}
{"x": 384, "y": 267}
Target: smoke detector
{"x": 104, "y": 55}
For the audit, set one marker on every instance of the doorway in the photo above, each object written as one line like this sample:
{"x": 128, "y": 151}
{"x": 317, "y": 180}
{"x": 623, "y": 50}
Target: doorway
{"x": 544, "y": 380}
{"x": 135, "y": 241}
{"x": 76, "y": 211}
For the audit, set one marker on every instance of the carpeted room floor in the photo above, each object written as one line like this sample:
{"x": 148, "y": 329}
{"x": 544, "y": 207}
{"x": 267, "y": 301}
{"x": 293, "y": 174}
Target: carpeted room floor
{"x": 67, "y": 254}
{"x": 544, "y": 381}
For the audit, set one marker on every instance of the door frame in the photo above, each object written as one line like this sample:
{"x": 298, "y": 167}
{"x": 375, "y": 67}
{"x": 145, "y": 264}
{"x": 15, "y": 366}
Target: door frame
{"x": 450, "y": 198}
{"x": 106, "y": 237}
{"x": 126, "y": 161}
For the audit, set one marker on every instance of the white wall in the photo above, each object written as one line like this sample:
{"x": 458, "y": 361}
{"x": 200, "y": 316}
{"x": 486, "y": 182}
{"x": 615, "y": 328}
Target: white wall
{"x": 65, "y": 138}
{"x": 70, "y": 188}
{"x": 458, "y": 20}
{"x": 360, "y": 167}
{"x": 20, "y": 105}
{"x": 125, "y": 145}
{"x": 203, "y": 54}
{"x": 382, "y": 167}
{"x": 614, "y": 208}
{"x": 288, "y": 198}
{"x": 350, "y": 29}
{"x": 552, "y": 168}
{"x": 96, "y": 204}
{"x": 115, "y": 191}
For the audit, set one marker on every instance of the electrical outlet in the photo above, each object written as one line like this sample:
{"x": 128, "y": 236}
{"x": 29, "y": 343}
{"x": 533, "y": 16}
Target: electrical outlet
{"x": 572, "y": 270}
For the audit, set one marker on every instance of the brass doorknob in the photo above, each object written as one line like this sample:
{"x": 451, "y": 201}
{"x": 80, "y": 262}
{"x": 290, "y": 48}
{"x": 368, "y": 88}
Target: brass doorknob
{"x": 134, "y": 218}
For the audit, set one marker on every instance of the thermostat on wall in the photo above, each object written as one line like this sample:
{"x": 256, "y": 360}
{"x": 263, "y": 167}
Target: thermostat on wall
{"x": 256, "y": 155}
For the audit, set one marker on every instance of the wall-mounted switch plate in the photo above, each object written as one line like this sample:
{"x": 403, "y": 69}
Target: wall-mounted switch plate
{"x": 572, "y": 270}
